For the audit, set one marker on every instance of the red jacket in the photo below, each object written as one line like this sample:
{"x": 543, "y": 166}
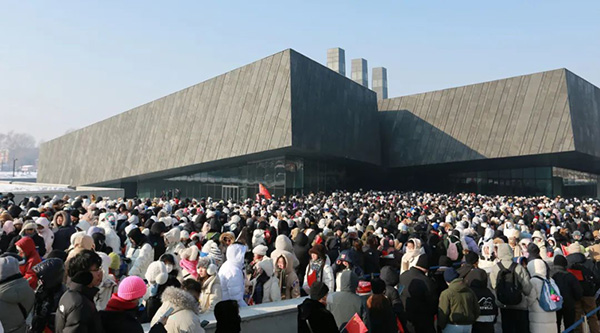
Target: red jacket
{"x": 33, "y": 258}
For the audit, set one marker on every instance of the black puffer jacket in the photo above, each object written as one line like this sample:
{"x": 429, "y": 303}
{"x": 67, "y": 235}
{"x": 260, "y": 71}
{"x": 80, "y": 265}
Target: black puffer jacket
{"x": 419, "y": 297}
{"x": 77, "y": 311}
{"x": 47, "y": 295}
{"x": 391, "y": 278}
{"x": 301, "y": 248}
{"x": 313, "y": 313}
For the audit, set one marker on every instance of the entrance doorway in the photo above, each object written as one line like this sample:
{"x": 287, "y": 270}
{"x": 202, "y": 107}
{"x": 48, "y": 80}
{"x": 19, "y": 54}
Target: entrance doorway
{"x": 230, "y": 192}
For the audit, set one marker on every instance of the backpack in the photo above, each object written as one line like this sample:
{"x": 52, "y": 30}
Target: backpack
{"x": 550, "y": 299}
{"x": 508, "y": 287}
{"x": 452, "y": 251}
{"x": 585, "y": 277}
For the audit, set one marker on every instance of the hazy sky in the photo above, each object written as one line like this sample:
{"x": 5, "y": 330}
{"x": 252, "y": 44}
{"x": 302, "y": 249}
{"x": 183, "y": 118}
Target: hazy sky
{"x": 67, "y": 64}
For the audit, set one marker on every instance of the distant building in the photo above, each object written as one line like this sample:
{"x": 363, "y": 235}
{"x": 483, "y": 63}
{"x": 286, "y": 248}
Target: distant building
{"x": 296, "y": 126}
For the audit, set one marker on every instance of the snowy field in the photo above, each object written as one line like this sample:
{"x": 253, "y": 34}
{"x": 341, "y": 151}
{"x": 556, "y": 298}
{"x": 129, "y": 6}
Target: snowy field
{"x": 16, "y": 188}
{"x": 8, "y": 175}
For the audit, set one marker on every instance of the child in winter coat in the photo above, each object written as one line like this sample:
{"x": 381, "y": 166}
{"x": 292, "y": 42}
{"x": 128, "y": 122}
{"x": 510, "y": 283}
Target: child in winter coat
{"x": 50, "y": 288}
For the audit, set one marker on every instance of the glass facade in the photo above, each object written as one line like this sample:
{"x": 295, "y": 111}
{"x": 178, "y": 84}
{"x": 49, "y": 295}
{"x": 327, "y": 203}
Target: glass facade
{"x": 548, "y": 181}
{"x": 284, "y": 175}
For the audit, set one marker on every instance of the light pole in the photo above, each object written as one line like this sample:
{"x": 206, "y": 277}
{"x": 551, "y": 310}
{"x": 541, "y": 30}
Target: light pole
{"x": 14, "y": 166}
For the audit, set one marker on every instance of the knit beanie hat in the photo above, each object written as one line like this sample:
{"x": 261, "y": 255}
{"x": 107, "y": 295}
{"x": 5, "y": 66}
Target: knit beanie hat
{"x": 319, "y": 250}
{"x": 377, "y": 286}
{"x": 574, "y": 248}
{"x": 450, "y": 274}
{"x": 318, "y": 290}
{"x": 260, "y": 250}
{"x": 132, "y": 287}
{"x": 115, "y": 261}
{"x": 560, "y": 261}
{"x": 471, "y": 258}
{"x": 423, "y": 261}
{"x": 157, "y": 273}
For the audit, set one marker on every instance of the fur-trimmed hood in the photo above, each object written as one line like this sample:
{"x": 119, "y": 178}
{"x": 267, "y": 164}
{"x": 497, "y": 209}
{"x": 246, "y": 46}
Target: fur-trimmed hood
{"x": 180, "y": 299}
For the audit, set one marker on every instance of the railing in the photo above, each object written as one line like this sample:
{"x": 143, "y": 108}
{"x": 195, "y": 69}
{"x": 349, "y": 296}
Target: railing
{"x": 580, "y": 321}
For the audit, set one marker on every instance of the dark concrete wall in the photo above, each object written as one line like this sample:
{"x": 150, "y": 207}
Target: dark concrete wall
{"x": 584, "y": 101}
{"x": 331, "y": 114}
{"x": 241, "y": 112}
{"x": 523, "y": 115}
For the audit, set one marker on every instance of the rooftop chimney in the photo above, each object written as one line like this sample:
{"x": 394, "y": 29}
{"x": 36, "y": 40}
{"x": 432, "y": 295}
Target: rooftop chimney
{"x": 380, "y": 84}
{"x": 360, "y": 72}
{"x": 336, "y": 60}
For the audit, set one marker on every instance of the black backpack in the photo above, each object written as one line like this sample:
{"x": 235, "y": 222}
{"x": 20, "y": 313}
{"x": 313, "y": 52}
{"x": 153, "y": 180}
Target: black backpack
{"x": 585, "y": 277}
{"x": 508, "y": 288}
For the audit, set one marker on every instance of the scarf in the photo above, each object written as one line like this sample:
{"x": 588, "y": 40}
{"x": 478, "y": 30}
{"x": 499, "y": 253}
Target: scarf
{"x": 189, "y": 266}
{"x": 116, "y": 303}
{"x": 317, "y": 267}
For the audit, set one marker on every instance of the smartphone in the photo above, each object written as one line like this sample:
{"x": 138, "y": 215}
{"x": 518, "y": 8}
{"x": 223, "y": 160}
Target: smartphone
{"x": 168, "y": 312}
{"x": 204, "y": 323}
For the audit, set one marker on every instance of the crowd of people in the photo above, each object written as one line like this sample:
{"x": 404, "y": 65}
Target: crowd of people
{"x": 391, "y": 261}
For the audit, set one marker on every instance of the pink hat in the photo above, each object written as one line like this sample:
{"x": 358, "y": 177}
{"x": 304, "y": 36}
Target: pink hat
{"x": 132, "y": 287}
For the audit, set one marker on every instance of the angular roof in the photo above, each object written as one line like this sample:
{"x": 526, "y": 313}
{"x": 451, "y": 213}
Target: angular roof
{"x": 549, "y": 112}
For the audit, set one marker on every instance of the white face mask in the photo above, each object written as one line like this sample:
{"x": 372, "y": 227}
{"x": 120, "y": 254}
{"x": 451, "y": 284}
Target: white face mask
{"x": 169, "y": 268}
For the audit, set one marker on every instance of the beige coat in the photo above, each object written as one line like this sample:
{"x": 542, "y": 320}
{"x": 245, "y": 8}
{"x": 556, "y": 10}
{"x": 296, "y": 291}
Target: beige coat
{"x": 186, "y": 314}
{"x": 505, "y": 254}
{"x": 211, "y": 294}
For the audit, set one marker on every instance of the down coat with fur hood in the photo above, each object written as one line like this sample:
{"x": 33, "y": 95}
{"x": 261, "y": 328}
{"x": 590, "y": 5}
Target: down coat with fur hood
{"x": 186, "y": 314}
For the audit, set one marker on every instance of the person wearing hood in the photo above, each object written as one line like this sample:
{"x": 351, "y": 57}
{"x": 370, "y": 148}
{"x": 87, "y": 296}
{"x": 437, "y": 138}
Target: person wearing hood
{"x": 458, "y": 306}
{"x": 79, "y": 242}
{"x": 171, "y": 265}
{"x": 391, "y": 278}
{"x": 264, "y": 287}
{"x": 211, "y": 286}
{"x": 231, "y": 274}
{"x": 345, "y": 262}
{"x": 284, "y": 244}
{"x": 43, "y": 229}
{"x": 76, "y": 309}
{"x": 108, "y": 285}
{"x": 470, "y": 270}
{"x": 583, "y": 269}
{"x": 412, "y": 253}
{"x": 189, "y": 263}
{"x": 122, "y": 310}
{"x": 16, "y": 296}
{"x": 156, "y": 239}
{"x": 9, "y": 231}
{"x": 140, "y": 253}
{"x": 514, "y": 317}
{"x": 186, "y": 311}
{"x": 313, "y": 315}
{"x": 540, "y": 321}
{"x": 157, "y": 278}
{"x": 173, "y": 242}
{"x": 570, "y": 290}
{"x": 538, "y": 239}
{"x": 301, "y": 248}
{"x": 50, "y": 289}
{"x": 345, "y": 303}
{"x": 419, "y": 297}
{"x": 29, "y": 230}
{"x": 289, "y": 284}
{"x": 318, "y": 269}
{"x": 63, "y": 231}
{"x": 26, "y": 249}
{"x": 488, "y": 255}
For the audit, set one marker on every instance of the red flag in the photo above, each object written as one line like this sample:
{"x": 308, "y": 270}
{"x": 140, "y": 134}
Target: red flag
{"x": 564, "y": 250}
{"x": 262, "y": 190}
{"x": 356, "y": 325}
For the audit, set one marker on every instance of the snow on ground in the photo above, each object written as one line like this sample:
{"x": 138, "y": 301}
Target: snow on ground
{"x": 16, "y": 188}
{"x": 18, "y": 174}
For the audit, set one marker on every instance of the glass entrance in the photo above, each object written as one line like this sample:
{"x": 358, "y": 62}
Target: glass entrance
{"x": 231, "y": 192}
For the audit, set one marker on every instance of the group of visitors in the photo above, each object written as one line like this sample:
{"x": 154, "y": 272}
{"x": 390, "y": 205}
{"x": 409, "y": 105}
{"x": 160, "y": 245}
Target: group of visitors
{"x": 393, "y": 261}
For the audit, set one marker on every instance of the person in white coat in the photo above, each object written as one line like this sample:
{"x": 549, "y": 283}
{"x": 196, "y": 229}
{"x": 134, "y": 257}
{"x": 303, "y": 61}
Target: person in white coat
{"x": 410, "y": 257}
{"x": 231, "y": 274}
{"x": 43, "y": 229}
{"x": 264, "y": 288}
{"x": 141, "y": 253}
{"x": 173, "y": 242}
{"x": 540, "y": 321}
{"x": 318, "y": 269}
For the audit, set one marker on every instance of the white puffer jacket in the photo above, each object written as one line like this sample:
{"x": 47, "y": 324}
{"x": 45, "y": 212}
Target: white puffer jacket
{"x": 141, "y": 257}
{"x": 540, "y": 321}
{"x": 173, "y": 243}
{"x": 185, "y": 316}
{"x": 112, "y": 239}
{"x": 46, "y": 234}
{"x": 231, "y": 275}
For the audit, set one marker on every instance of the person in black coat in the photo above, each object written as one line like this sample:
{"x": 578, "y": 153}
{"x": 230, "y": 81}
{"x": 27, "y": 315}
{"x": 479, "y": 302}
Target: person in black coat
{"x": 380, "y": 316}
{"x": 76, "y": 309}
{"x": 301, "y": 248}
{"x": 419, "y": 297}
{"x": 7, "y": 238}
{"x": 371, "y": 255}
{"x": 50, "y": 273}
{"x": 156, "y": 239}
{"x": 29, "y": 230}
{"x": 391, "y": 278}
{"x": 570, "y": 290}
{"x": 313, "y": 316}
{"x": 62, "y": 236}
